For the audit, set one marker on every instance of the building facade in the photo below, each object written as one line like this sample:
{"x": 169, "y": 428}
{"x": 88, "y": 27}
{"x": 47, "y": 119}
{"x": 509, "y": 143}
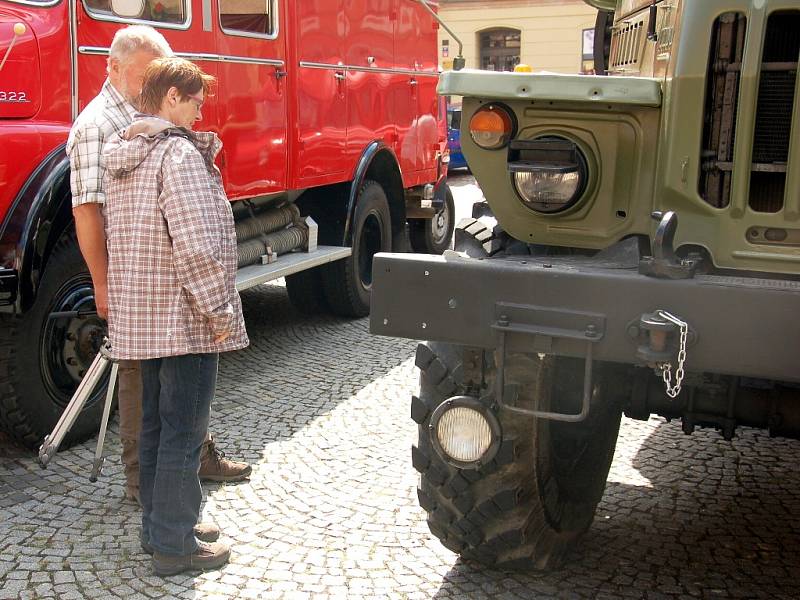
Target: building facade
{"x": 547, "y": 35}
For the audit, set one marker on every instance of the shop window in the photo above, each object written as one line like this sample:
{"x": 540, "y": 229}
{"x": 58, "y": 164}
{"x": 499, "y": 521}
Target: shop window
{"x": 255, "y": 17}
{"x": 499, "y": 49}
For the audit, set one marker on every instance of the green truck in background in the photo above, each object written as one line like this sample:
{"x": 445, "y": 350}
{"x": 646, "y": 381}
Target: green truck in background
{"x": 641, "y": 256}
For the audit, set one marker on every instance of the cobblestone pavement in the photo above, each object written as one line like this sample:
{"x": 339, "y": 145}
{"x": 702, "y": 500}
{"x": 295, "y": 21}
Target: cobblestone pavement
{"x": 321, "y": 409}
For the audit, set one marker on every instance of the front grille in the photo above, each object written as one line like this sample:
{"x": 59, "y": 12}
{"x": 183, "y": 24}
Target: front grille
{"x": 722, "y": 98}
{"x": 775, "y": 98}
{"x": 774, "y": 113}
{"x": 627, "y": 40}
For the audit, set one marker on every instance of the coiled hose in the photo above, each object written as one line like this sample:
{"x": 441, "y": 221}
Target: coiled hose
{"x": 270, "y": 220}
{"x": 280, "y": 242}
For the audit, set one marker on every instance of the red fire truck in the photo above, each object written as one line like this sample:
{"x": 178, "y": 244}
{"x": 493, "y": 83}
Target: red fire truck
{"x": 334, "y": 150}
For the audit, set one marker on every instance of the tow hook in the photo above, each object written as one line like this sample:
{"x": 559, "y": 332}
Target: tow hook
{"x": 660, "y": 338}
{"x": 665, "y": 264}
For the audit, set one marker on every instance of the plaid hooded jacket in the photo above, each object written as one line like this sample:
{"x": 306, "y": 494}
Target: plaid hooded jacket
{"x": 171, "y": 244}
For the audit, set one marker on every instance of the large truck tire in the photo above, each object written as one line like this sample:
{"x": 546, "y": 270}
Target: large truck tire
{"x": 534, "y": 500}
{"x": 306, "y": 292}
{"x": 42, "y": 361}
{"x": 477, "y": 239}
{"x": 348, "y": 282}
{"x": 434, "y": 236}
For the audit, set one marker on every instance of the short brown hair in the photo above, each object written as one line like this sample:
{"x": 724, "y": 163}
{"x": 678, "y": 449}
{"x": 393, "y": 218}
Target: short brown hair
{"x": 168, "y": 72}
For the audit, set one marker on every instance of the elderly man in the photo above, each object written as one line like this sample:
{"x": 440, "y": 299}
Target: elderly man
{"x": 132, "y": 50}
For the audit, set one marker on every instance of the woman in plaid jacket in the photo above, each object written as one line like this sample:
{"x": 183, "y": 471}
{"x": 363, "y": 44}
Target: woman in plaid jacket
{"x": 172, "y": 301}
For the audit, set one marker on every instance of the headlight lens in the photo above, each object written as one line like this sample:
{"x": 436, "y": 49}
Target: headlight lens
{"x": 464, "y": 434}
{"x": 491, "y": 127}
{"x": 550, "y": 173}
{"x": 546, "y": 191}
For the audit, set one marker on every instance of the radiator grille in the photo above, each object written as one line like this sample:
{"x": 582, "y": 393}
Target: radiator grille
{"x": 773, "y": 120}
{"x": 722, "y": 98}
{"x": 626, "y": 45}
{"x": 774, "y": 111}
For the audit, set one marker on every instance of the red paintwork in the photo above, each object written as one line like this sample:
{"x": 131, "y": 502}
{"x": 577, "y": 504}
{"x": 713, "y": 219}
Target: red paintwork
{"x": 303, "y": 130}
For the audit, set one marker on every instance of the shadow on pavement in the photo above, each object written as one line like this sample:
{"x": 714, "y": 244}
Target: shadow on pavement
{"x": 682, "y": 517}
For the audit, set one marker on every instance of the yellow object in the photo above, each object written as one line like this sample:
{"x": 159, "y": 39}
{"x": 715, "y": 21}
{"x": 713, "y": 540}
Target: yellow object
{"x": 522, "y": 68}
{"x": 19, "y": 28}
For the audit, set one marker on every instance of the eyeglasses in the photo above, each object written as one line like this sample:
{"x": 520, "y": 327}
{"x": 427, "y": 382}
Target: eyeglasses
{"x": 198, "y": 100}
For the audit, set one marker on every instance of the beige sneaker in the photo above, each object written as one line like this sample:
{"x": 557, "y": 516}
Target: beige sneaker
{"x": 207, "y": 557}
{"x": 215, "y": 467}
{"x": 204, "y": 532}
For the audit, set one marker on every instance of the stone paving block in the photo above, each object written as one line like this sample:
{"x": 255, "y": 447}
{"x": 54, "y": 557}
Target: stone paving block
{"x": 321, "y": 410}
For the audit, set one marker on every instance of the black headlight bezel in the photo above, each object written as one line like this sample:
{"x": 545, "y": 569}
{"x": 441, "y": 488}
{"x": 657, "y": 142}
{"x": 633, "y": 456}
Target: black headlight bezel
{"x": 479, "y": 407}
{"x": 551, "y": 154}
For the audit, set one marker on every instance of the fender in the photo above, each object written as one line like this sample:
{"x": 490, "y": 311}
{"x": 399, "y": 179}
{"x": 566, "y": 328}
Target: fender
{"x": 38, "y": 215}
{"x": 389, "y": 173}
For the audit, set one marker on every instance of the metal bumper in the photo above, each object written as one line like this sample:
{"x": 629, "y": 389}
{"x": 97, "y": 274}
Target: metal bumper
{"x": 738, "y": 326}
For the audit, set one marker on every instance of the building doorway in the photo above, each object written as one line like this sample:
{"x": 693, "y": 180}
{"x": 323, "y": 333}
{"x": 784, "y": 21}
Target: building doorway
{"x": 499, "y": 49}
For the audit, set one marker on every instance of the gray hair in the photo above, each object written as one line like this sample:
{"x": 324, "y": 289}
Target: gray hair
{"x": 137, "y": 38}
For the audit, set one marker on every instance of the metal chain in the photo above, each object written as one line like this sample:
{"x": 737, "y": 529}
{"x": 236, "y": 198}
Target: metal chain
{"x": 666, "y": 368}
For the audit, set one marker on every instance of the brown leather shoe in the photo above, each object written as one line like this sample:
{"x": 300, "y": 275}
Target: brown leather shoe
{"x": 204, "y": 532}
{"x": 215, "y": 467}
{"x": 132, "y": 495}
{"x": 207, "y": 557}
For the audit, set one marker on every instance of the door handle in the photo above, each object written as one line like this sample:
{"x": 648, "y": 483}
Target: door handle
{"x": 280, "y": 74}
{"x": 339, "y": 75}
{"x": 412, "y": 82}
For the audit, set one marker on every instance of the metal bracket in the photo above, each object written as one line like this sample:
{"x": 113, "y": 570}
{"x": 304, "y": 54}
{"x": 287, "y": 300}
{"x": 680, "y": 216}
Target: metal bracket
{"x": 664, "y": 263}
{"x": 313, "y": 233}
{"x": 548, "y": 324}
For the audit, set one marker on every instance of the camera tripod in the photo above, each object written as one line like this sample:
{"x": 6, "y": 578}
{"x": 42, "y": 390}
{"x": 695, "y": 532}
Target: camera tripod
{"x": 87, "y": 385}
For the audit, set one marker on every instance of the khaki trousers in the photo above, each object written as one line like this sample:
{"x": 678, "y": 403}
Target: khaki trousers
{"x": 129, "y": 384}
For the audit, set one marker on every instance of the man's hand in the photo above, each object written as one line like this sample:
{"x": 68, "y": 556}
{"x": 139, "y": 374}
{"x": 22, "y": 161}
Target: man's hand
{"x": 222, "y": 337}
{"x": 101, "y": 301}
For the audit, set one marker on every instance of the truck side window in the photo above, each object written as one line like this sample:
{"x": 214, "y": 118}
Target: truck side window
{"x": 247, "y": 16}
{"x": 153, "y": 11}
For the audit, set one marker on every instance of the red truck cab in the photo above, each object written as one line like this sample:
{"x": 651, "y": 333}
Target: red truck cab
{"x": 327, "y": 110}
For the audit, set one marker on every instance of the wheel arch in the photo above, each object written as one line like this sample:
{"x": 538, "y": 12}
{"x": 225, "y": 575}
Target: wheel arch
{"x": 378, "y": 163}
{"x": 38, "y": 216}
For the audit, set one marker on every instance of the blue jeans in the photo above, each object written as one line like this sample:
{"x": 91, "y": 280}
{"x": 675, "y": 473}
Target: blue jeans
{"x": 176, "y": 402}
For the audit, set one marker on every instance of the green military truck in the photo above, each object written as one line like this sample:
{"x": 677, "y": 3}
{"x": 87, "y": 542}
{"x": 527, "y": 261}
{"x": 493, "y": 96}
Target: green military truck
{"x": 642, "y": 257}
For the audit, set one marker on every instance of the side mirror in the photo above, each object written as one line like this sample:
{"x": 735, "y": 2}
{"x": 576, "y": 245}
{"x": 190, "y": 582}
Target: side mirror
{"x": 127, "y": 8}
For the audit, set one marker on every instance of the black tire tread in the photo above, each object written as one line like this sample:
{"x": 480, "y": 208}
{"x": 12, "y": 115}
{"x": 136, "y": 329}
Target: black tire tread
{"x": 15, "y": 386}
{"x": 493, "y": 514}
{"x": 305, "y": 291}
{"x": 339, "y": 275}
{"x": 476, "y": 239}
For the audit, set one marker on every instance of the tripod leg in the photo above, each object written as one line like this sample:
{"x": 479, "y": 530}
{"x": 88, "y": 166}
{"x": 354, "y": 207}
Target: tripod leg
{"x": 98, "y": 455}
{"x": 51, "y": 442}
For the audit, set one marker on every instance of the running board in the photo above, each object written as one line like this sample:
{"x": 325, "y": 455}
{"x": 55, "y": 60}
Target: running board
{"x": 286, "y": 264}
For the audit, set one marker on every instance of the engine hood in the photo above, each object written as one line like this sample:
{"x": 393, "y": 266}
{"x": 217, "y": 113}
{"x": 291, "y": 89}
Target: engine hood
{"x": 20, "y": 77}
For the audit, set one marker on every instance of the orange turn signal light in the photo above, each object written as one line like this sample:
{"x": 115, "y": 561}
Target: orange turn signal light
{"x": 491, "y": 127}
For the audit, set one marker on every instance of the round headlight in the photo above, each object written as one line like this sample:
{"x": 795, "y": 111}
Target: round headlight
{"x": 550, "y": 175}
{"x": 491, "y": 127}
{"x": 464, "y": 432}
